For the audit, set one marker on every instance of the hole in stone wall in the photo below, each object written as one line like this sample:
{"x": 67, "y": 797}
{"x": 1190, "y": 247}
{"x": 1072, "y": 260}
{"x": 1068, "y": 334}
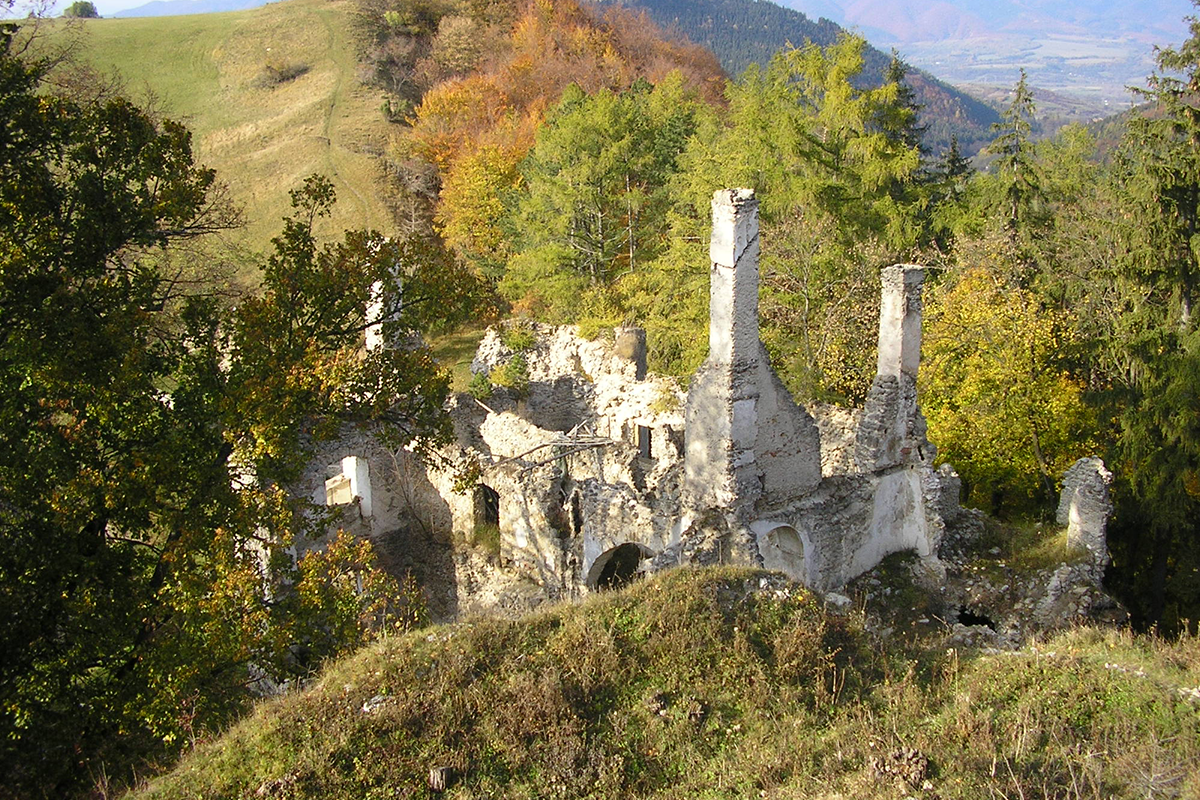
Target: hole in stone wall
{"x": 643, "y": 441}
{"x": 487, "y": 505}
{"x": 620, "y": 566}
{"x": 968, "y": 617}
{"x": 576, "y": 514}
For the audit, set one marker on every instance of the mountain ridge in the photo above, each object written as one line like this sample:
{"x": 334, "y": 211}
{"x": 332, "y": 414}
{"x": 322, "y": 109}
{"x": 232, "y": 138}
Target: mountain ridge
{"x": 740, "y": 32}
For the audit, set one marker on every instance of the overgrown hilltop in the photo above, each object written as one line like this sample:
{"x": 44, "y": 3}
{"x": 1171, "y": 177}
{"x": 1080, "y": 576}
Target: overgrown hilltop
{"x": 717, "y": 683}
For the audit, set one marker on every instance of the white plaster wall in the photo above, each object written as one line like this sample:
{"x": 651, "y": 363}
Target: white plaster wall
{"x": 898, "y": 522}
{"x": 708, "y": 442}
{"x": 787, "y": 442}
{"x": 733, "y": 278}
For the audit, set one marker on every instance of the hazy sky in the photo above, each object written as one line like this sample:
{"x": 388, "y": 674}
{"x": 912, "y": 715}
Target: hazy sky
{"x": 105, "y": 7}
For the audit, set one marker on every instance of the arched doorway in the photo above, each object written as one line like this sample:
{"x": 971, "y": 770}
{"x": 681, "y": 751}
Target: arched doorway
{"x": 616, "y": 567}
{"x": 782, "y": 550}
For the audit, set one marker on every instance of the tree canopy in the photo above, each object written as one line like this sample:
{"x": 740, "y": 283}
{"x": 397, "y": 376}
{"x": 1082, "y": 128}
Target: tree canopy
{"x": 81, "y": 9}
{"x": 148, "y": 428}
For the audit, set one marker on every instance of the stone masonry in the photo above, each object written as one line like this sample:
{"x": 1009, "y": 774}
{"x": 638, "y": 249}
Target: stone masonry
{"x": 599, "y": 470}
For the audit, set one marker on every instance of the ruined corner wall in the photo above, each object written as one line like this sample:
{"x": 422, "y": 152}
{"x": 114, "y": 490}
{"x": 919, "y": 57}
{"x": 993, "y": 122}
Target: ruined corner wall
{"x": 610, "y": 473}
{"x": 1085, "y": 506}
{"x": 408, "y": 518}
{"x": 879, "y": 493}
{"x": 892, "y": 431}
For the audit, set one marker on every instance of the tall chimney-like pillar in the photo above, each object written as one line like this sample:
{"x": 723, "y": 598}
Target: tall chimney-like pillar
{"x": 900, "y": 320}
{"x": 746, "y": 442}
{"x": 892, "y": 431}
{"x": 733, "y": 285}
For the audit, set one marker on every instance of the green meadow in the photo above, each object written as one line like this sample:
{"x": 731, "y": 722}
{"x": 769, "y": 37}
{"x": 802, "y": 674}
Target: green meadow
{"x": 271, "y": 96}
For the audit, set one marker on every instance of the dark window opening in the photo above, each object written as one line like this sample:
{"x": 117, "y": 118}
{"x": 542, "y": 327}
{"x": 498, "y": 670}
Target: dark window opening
{"x": 621, "y": 567}
{"x": 643, "y": 441}
{"x": 487, "y": 505}
{"x": 968, "y": 617}
{"x": 576, "y": 514}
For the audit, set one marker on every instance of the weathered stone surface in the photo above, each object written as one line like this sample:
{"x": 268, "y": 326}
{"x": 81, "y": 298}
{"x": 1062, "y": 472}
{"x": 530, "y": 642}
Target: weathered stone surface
{"x": 746, "y": 443}
{"x": 1085, "y": 506}
{"x": 838, "y": 429}
{"x": 893, "y": 430}
{"x": 900, "y": 320}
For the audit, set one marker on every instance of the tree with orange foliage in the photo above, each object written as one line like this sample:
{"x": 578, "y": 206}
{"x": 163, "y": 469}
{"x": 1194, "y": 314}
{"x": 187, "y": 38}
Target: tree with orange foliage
{"x": 477, "y": 128}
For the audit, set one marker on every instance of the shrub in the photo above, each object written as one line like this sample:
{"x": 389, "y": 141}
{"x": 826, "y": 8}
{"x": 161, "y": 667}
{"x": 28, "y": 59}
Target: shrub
{"x": 512, "y": 375}
{"x": 480, "y": 386}
{"x": 274, "y": 74}
{"x": 519, "y": 336}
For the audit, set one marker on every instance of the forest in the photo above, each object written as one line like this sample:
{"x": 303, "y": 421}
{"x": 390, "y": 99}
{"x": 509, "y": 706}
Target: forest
{"x": 551, "y": 162}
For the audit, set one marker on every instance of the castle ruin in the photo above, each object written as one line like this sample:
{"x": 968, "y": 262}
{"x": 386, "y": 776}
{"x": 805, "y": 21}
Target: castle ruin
{"x": 599, "y": 470}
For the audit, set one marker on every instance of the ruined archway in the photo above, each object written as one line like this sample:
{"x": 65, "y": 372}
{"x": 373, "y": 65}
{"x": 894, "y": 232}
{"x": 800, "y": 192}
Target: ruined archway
{"x": 617, "y": 566}
{"x": 782, "y": 550}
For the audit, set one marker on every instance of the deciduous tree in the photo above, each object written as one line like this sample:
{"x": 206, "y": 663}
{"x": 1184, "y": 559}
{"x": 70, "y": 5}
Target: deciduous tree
{"x": 146, "y": 430}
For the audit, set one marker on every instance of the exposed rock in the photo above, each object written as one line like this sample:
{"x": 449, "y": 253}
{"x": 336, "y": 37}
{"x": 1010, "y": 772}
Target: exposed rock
{"x": 1084, "y": 507}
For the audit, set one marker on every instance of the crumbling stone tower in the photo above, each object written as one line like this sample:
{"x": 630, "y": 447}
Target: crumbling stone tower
{"x": 748, "y": 446}
{"x": 893, "y": 430}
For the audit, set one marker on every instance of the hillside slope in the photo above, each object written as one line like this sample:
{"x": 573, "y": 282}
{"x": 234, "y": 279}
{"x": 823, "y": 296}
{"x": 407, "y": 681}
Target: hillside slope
{"x": 717, "y": 683}
{"x": 262, "y": 132}
{"x": 741, "y": 32}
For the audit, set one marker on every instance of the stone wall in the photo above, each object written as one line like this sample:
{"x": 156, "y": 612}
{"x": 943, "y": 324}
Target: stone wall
{"x": 597, "y": 471}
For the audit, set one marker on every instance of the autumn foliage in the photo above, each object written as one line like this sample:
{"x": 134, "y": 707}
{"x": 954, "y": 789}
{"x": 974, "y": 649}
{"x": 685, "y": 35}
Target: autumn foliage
{"x": 477, "y": 127}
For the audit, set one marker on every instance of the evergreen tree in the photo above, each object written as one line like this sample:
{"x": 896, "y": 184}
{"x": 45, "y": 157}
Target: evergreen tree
{"x": 595, "y": 190}
{"x": 1156, "y": 350}
{"x": 1019, "y": 191}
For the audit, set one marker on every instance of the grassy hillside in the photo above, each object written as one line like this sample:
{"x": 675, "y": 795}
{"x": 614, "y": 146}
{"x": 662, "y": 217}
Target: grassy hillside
{"x": 718, "y": 683}
{"x": 225, "y": 75}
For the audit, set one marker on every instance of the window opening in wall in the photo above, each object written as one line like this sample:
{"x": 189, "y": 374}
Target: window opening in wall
{"x": 348, "y": 481}
{"x": 621, "y": 567}
{"x": 487, "y": 505}
{"x": 576, "y": 514}
{"x": 643, "y": 441}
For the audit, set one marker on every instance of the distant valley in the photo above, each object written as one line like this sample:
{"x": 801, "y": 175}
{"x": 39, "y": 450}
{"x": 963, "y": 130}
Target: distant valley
{"x": 1086, "y": 50}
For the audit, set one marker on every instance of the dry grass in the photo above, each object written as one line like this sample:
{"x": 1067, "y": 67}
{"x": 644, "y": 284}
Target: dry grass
{"x": 262, "y": 137}
{"x": 703, "y": 684}
{"x": 455, "y": 351}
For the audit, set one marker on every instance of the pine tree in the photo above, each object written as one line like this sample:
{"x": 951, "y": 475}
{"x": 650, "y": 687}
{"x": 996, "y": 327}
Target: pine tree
{"x": 1156, "y": 350}
{"x": 1013, "y": 146}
